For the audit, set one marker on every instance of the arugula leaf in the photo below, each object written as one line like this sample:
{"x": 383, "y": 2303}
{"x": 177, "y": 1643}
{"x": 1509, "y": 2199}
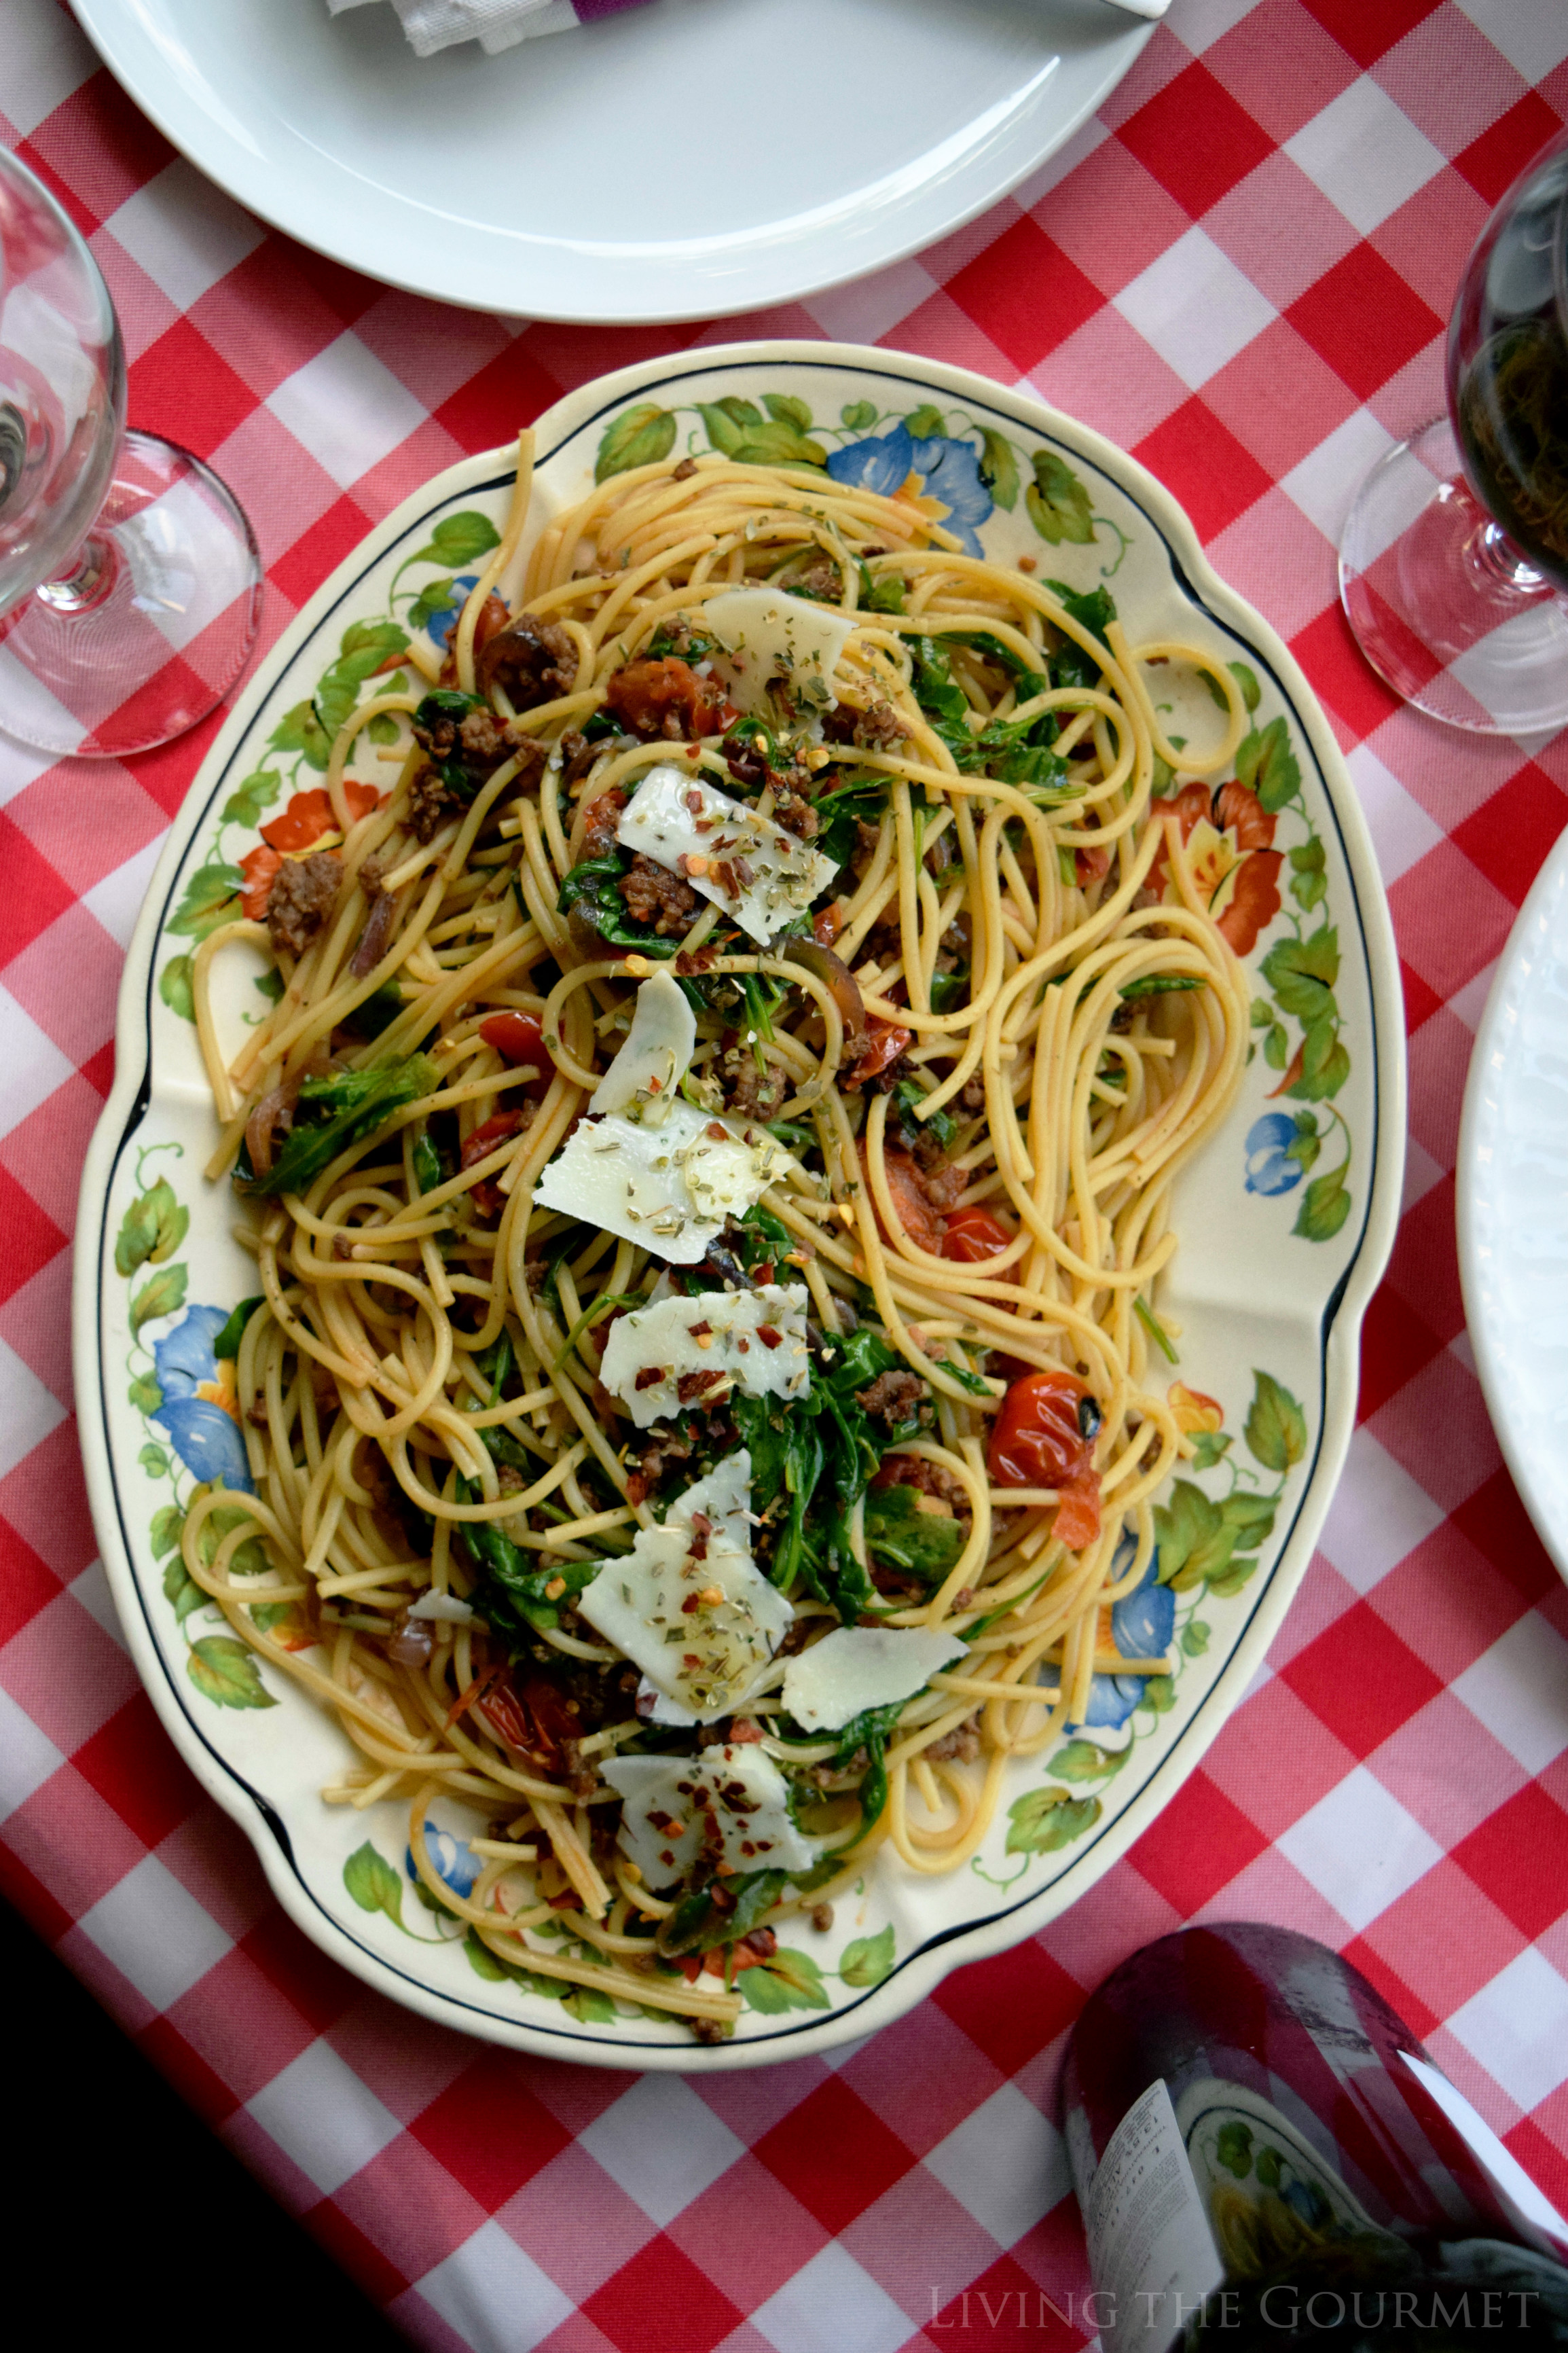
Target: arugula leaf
{"x": 870, "y": 1731}
{"x": 909, "y": 1094}
{"x": 228, "y": 1339}
{"x": 863, "y": 800}
{"x": 1161, "y": 983}
{"x": 881, "y": 595}
{"x": 512, "y": 1595}
{"x": 592, "y": 886}
{"x": 787, "y": 1465}
{"x": 1092, "y": 608}
{"x": 356, "y": 1102}
{"x": 377, "y": 1013}
{"x": 697, "y": 1925}
{"x": 897, "y": 1530}
{"x": 948, "y": 988}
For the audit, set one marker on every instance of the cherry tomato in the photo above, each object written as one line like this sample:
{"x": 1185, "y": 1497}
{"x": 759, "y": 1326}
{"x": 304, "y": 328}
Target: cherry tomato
{"x": 885, "y": 1041}
{"x": 826, "y": 926}
{"x": 1044, "y": 1437}
{"x": 1078, "y": 1515}
{"x": 518, "y": 1039}
{"x": 535, "y": 1719}
{"x": 923, "y": 1226}
{"x": 487, "y": 1198}
{"x": 644, "y": 694}
{"x": 973, "y": 1235}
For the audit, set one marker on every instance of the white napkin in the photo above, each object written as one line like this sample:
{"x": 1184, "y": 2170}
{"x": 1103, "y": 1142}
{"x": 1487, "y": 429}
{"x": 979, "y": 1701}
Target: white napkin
{"x": 496, "y": 25}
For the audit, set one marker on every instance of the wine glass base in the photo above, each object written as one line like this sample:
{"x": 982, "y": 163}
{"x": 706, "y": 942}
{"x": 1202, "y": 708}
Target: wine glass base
{"x": 152, "y": 630}
{"x": 1439, "y": 604}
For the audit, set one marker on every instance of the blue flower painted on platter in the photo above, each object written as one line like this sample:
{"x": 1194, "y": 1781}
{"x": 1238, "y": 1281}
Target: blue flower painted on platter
{"x": 948, "y": 470}
{"x": 1142, "y": 1625}
{"x": 437, "y": 624}
{"x": 1270, "y": 1165}
{"x": 452, "y": 1859}
{"x": 200, "y": 1413}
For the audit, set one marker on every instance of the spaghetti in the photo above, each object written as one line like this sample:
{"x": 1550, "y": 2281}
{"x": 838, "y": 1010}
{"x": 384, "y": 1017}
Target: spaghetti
{"x": 965, "y": 1070}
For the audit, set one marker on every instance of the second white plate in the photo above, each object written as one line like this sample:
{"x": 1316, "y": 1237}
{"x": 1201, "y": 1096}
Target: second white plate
{"x": 688, "y": 159}
{"x": 1513, "y": 1204}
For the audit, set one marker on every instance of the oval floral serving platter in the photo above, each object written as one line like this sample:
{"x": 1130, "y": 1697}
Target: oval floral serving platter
{"x": 1286, "y": 1220}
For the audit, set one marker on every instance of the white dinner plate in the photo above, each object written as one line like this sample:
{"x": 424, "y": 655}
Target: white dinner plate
{"x": 1285, "y": 1218}
{"x": 1513, "y": 1203}
{"x": 688, "y": 159}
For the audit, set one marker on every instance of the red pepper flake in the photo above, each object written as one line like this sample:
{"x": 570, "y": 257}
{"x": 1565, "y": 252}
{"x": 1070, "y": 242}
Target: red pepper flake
{"x": 745, "y": 870}
{"x": 722, "y": 869}
{"x": 650, "y": 1376}
{"x": 689, "y": 1606}
{"x": 769, "y": 1337}
{"x": 694, "y": 803}
{"x": 689, "y": 1659}
{"x": 716, "y": 1132}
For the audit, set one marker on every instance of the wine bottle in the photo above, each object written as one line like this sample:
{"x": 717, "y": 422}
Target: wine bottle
{"x": 1265, "y": 2155}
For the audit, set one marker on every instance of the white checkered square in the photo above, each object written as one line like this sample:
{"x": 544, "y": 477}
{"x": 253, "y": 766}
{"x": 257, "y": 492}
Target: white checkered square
{"x": 663, "y": 2144}
{"x": 1518, "y": 2028}
{"x": 493, "y": 2297}
{"x": 1006, "y": 2165}
{"x": 116, "y": 900}
{"x": 90, "y": 1592}
{"x": 155, "y": 1931}
{"x": 321, "y": 2116}
{"x": 1402, "y": 832}
{"x": 348, "y": 409}
{"x": 184, "y": 232}
{"x": 829, "y": 2305}
{"x": 1533, "y": 35}
{"x": 1196, "y": 308}
{"x": 29, "y": 1411}
{"x": 28, "y": 1756}
{"x": 1359, "y": 1847}
{"x": 1519, "y": 1690}
{"x": 1365, "y": 155}
{"x": 45, "y": 58}
{"x": 867, "y": 308}
{"x": 1325, "y": 483}
{"x": 1378, "y": 1516}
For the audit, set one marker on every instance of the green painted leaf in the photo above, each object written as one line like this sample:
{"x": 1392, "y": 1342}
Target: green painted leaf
{"x": 374, "y": 1884}
{"x": 1250, "y": 1517}
{"x": 1233, "y": 2147}
{"x": 1058, "y": 503}
{"x": 590, "y": 2006}
{"x": 1230, "y": 1579}
{"x": 165, "y": 1531}
{"x": 1276, "y": 1048}
{"x": 779, "y": 445}
{"x": 365, "y": 646}
{"x": 1195, "y": 1638}
{"x": 740, "y": 412}
{"x": 382, "y": 728}
{"x": 266, "y": 1614}
{"x": 483, "y": 1962}
{"x": 138, "y": 1233}
{"x": 170, "y": 1222}
{"x": 643, "y": 436}
{"x": 1325, "y": 1064}
{"x": 1047, "y": 1820}
{"x": 725, "y": 434}
{"x": 784, "y": 409}
{"x": 183, "y": 1590}
{"x": 1082, "y": 1761}
{"x": 1160, "y": 1691}
{"x": 1309, "y": 855}
{"x": 1304, "y": 1147}
{"x": 175, "y": 987}
{"x": 1308, "y": 890}
{"x": 869, "y": 1960}
{"x": 786, "y": 1980}
{"x": 224, "y": 1671}
{"x": 999, "y": 469}
{"x": 251, "y": 796}
{"x": 1262, "y": 1013}
{"x": 209, "y": 900}
{"x": 144, "y": 1394}
{"x": 1267, "y": 766}
{"x": 1325, "y": 1205}
{"x": 860, "y": 417}
{"x": 924, "y": 421}
{"x": 1303, "y": 993}
{"x": 299, "y": 730}
{"x": 460, "y": 538}
{"x": 1209, "y": 1447}
{"x": 436, "y": 596}
{"x": 1269, "y": 2171}
{"x": 160, "y": 1296}
{"x": 154, "y": 1462}
{"x": 1192, "y": 1538}
{"x": 1275, "y": 1430}
{"x": 1246, "y": 679}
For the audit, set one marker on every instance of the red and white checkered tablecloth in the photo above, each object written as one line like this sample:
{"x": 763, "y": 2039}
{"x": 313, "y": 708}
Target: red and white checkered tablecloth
{"x": 1241, "y": 271}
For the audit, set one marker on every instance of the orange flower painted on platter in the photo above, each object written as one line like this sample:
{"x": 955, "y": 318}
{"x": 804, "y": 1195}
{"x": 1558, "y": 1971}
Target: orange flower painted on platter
{"x": 1227, "y": 836}
{"x": 1192, "y": 1410}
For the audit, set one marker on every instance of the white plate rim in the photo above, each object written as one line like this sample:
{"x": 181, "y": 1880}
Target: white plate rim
{"x": 998, "y": 167}
{"x": 914, "y": 1978}
{"x": 1545, "y": 909}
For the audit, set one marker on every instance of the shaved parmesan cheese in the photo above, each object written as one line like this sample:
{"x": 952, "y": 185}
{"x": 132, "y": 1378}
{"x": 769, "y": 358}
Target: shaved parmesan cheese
{"x": 858, "y": 1667}
{"x": 444, "y": 1607}
{"x": 767, "y": 634}
{"x": 730, "y": 1806}
{"x": 759, "y": 874}
{"x": 688, "y": 1604}
{"x": 670, "y": 1188}
{"x": 644, "y": 1077}
{"x": 720, "y": 1332}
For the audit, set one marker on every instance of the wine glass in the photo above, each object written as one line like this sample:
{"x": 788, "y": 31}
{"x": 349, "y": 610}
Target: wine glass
{"x": 1454, "y": 557}
{"x": 130, "y": 585}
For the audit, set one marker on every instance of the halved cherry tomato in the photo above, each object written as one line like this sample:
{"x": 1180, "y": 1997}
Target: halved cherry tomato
{"x": 827, "y": 926}
{"x": 645, "y": 694}
{"x": 1044, "y": 1437}
{"x": 885, "y": 1041}
{"x": 487, "y": 1198}
{"x": 974, "y": 1234}
{"x": 535, "y": 1719}
{"x": 918, "y": 1219}
{"x": 1089, "y": 864}
{"x": 518, "y": 1039}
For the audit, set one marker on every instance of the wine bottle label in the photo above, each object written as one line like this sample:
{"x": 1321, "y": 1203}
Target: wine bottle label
{"x": 1151, "y": 2249}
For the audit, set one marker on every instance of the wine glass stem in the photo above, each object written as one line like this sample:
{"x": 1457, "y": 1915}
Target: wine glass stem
{"x": 1497, "y": 564}
{"x": 88, "y": 582}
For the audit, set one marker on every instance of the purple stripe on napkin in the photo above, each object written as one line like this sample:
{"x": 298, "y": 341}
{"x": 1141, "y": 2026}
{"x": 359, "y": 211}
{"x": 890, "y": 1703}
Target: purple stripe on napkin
{"x": 588, "y": 9}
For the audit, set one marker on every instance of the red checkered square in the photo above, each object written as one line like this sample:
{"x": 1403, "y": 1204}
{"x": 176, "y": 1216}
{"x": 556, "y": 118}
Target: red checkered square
{"x": 693, "y": 2314}
{"x": 1511, "y": 1857}
{"x": 1206, "y": 467}
{"x": 1420, "y": 1002}
{"x": 1449, "y": 79}
{"x": 1110, "y": 218}
{"x": 27, "y": 1586}
{"x": 1424, "y": 1269}
{"x": 32, "y": 1239}
{"x": 1451, "y": 921}
{"x": 1278, "y": 399}
{"x": 490, "y": 2131}
{"x": 1492, "y": 161}
{"x": 833, "y": 2154}
{"x": 132, "y": 1761}
{"x": 180, "y": 387}
{"x": 1361, "y": 1680}
{"x": 1445, "y": 1937}
{"x": 1400, "y": 1997}
{"x": 1510, "y": 835}
{"x": 1437, "y": 1429}
{"x": 1013, "y": 2309}
{"x": 1341, "y": 673}
{"x": 1370, "y": 33}
{"x": 1197, "y": 1846}
{"x": 35, "y": 895}
{"x": 1543, "y": 2152}
{"x": 1363, "y": 319}
{"x": 95, "y": 150}
{"x": 347, "y": 2246}
{"x": 1024, "y": 294}
{"x": 1395, "y": 1345}
{"x": 748, "y": 2233}
{"x": 1246, "y": 59}
{"x": 187, "y": 2071}
{"x": 1013, "y": 2004}
{"x": 1493, "y": 1519}
{"x": 1274, "y": 1759}
{"x": 410, "y": 2206}
{"x": 318, "y": 552}
{"x": 1195, "y": 139}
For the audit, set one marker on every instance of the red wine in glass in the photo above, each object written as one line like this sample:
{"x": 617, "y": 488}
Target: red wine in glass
{"x": 1454, "y": 565}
